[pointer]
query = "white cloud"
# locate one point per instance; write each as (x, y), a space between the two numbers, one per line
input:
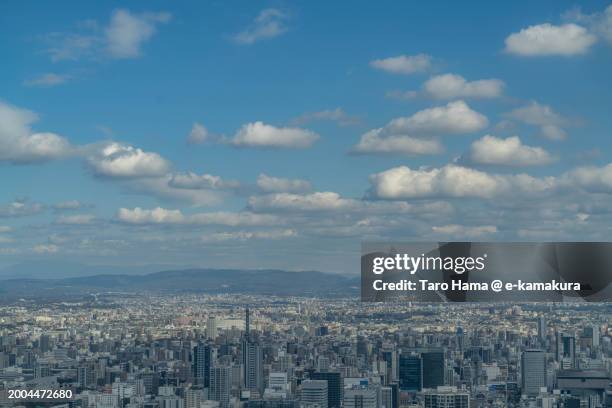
(452, 86)
(116, 160)
(550, 122)
(192, 181)
(80, 219)
(123, 37)
(318, 201)
(198, 134)
(268, 24)
(46, 249)
(127, 32)
(375, 142)
(4, 229)
(259, 134)
(163, 216)
(453, 181)
(20, 208)
(20, 145)
(68, 205)
(270, 184)
(547, 39)
(454, 118)
(507, 152)
(164, 189)
(465, 231)
(47, 80)
(404, 64)
(234, 219)
(249, 235)
(155, 216)
(599, 23)
(337, 115)
(590, 178)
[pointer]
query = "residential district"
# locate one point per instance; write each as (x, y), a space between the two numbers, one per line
(245, 351)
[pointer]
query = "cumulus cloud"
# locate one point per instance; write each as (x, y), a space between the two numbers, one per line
(337, 115)
(491, 150)
(270, 184)
(404, 64)
(19, 144)
(155, 216)
(376, 142)
(547, 39)
(551, 123)
(198, 134)
(268, 24)
(259, 134)
(164, 189)
(47, 80)
(452, 86)
(590, 178)
(453, 181)
(127, 32)
(164, 216)
(318, 201)
(457, 230)
(116, 160)
(80, 219)
(416, 134)
(193, 181)
(454, 118)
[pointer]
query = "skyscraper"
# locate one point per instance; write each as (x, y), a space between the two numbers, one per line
(361, 397)
(314, 393)
(334, 387)
(542, 328)
(433, 369)
(410, 372)
(221, 385)
(202, 358)
(252, 360)
(211, 327)
(533, 371)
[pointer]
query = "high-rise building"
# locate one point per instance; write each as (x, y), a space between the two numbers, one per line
(386, 397)
(361, 397)
(202, 361)
(221, 385)
(542, 328)
(334, 387)
(533, 371)
(446, 397)
(433, 369)
(410, 372)
(194, 397)
(252, 360)
(314, 394)
(44, 343)
(211, 327)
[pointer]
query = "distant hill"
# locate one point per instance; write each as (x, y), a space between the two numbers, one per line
(65, 269)
(261, 282)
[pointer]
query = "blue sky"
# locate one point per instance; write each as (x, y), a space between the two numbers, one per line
(312, 129)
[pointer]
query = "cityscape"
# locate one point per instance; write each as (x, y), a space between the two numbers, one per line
(120, 350)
